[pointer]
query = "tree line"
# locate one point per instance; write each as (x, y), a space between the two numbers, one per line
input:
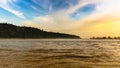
(13, 31)
(109, 37)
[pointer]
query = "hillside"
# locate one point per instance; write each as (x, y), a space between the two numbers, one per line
(12, 31)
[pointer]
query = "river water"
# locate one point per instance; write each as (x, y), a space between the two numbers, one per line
(59, 53)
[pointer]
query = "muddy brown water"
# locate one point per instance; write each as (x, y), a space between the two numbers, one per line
(59, 53)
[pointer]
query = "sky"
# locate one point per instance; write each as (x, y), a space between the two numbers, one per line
(86, 18)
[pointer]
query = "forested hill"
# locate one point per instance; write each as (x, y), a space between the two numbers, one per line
(12, 31)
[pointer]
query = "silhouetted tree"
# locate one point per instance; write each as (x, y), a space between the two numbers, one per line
(12, 31)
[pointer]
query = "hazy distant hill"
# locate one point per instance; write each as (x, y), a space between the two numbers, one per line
(12, 31)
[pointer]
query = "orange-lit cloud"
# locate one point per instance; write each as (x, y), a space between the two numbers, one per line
(104, 21)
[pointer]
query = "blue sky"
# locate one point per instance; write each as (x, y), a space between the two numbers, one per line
(21, 10)
(80, 17)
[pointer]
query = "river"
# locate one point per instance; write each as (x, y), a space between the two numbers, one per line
(59, 53)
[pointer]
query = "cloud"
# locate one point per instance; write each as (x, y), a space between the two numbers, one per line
(53, 22)
(5, 5)
(55, 5)
(103, 20)
(104, 26)
(59, 21)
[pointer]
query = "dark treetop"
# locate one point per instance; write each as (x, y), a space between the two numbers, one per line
(12, 31)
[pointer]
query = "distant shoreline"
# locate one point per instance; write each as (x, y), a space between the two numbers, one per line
(13, 31)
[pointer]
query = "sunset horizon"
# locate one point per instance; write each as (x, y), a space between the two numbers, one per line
(60, 33)
(85, 18)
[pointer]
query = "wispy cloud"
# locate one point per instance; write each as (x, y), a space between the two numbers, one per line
(5, 4)
(102, 14)
(81, 17)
